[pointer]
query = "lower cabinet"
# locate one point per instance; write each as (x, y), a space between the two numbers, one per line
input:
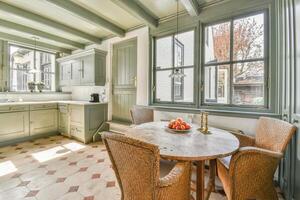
(43, 121)
(85, 120)
(72, 120)
(14, 125)
(63, 119)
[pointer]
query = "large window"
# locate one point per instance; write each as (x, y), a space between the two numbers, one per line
(174, 54)
(29, 65)
(235, 61)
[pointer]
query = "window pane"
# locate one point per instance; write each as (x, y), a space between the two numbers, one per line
(217, 84)
(184, 49)
(27, 65)
(248, 37)
(164, 52)
(183, 87)
(217, 43)
(248, 83)
(163, 85)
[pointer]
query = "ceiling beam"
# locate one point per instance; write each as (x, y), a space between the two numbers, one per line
(138, 11)
(191, 6)
(48, 22)
(89, 16)
(32, 43)
(41, 34)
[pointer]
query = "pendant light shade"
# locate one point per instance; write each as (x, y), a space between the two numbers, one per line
(177, 74)
(34, 70)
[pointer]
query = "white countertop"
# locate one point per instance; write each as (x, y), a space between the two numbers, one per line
(47, 102)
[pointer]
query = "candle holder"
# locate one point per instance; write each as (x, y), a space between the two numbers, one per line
(204, 123)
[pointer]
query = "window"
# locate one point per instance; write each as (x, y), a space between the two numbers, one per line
(174, 54)
(235, 62)
(28, 65)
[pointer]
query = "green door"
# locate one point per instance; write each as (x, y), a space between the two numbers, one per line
(124, 79)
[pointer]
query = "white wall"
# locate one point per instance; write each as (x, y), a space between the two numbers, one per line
(82, 93)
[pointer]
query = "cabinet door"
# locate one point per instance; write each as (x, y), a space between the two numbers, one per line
(65, 74)
(77, 115)
(43, 121)
(9, 129)
(100, 69)
(63, 123)
(88, 70)
(76, 72)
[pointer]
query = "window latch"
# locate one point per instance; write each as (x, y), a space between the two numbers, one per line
(153, 88)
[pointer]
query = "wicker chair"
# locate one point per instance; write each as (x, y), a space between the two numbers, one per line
(249, 173)
(137, 168)
(140, 115)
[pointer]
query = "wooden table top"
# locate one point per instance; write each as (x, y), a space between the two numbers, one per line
(191, 146)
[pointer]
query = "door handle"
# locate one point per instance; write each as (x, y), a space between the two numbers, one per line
(295, 121)
(134, 79)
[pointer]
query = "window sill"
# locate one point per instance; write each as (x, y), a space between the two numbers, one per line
(218, 112)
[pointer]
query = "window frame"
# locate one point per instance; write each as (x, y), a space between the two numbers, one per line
(31, 49)
(153, 70)
(231, 62)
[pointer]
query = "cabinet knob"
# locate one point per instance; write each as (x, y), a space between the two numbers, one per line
(295, 121)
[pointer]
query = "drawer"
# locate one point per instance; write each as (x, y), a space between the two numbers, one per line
(14, 108)
(77, 132)
(64, 108)
(43, 106)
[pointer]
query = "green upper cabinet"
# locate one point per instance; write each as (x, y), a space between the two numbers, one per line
(84, 68)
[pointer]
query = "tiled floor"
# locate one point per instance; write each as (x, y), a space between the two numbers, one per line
(58, 168)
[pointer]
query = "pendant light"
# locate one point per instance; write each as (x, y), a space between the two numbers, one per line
(177, 73)
(34, 70)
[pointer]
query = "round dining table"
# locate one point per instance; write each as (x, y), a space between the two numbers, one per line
(193, 146)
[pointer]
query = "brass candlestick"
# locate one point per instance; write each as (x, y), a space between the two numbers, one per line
(204, 123)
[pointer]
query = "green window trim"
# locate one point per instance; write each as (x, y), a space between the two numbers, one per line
(271, 108)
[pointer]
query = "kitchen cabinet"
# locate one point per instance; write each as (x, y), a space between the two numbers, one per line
(79, 120)
(43, 121)
(86, 119)
(65, 74)
(63, 119)
(84, 68)
(10, 129)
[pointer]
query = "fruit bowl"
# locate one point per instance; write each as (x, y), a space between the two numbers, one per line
(178, 125)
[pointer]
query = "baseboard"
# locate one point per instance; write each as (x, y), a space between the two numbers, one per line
(27, 138)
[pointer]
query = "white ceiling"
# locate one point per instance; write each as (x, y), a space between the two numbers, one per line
(106, 9)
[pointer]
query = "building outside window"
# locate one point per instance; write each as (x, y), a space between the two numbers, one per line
(174, 53)
(235, 61)
(29, 65)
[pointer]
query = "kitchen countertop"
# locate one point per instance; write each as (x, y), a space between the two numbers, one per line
(49, 102)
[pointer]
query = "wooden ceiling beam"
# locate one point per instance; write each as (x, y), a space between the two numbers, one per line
(32, 43)
(88, 16)
(48, 22)
(137, 11)
(191, 6)
(41, 34)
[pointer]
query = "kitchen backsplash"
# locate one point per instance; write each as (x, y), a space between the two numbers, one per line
(45, 96)
(83, 93)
